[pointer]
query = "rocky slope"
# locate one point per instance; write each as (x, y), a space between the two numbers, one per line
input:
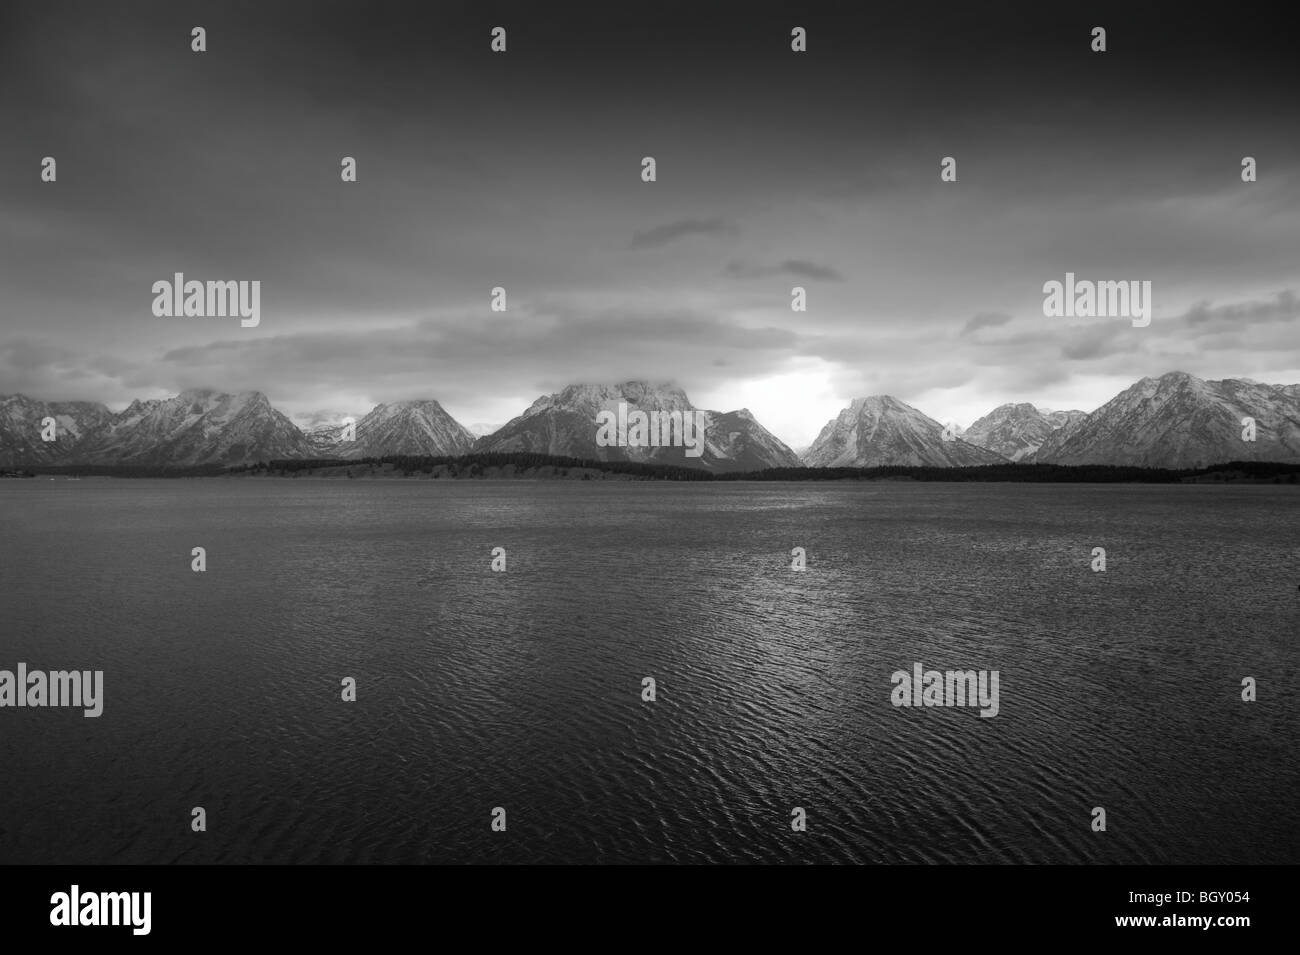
(195, 427)
(403, 427)
(881, 431)
(1181, 421)
(1016, 431)
(20, 428)
(565, 424)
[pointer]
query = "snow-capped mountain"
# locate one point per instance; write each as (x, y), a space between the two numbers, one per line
(1175, 421)
(747, 445)
(402, 427)
(880, 431)
(21, 428)
(199, 426)
(1181, 421)
(1015, 431)
(565, 424)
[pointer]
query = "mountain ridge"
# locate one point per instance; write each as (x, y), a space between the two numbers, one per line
(1175, 420)
(563, 424)
(882, 431)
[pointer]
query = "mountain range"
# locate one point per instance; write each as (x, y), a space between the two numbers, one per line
(1174, 421)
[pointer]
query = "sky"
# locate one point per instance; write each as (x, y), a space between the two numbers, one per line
(522, 170)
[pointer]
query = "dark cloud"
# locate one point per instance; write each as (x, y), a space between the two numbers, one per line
(457, 359)
(672, 231)
(1284, 308)
(522, 170)
(795, 268)
(985, 320)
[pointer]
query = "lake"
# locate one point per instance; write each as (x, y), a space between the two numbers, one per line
(522, 689)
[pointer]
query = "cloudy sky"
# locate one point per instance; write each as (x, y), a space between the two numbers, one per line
(522, 170)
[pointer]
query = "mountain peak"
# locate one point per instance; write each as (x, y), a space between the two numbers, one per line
(1181, 421)
(1016, 430)
(1170, 379)
(877, 404)
(880, 430)
(565, 424)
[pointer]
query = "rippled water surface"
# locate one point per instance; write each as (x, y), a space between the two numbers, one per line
(523, 689)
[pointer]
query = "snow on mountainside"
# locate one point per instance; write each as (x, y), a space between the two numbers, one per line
(1063, 419)
(746, 444)
(1181, 421)
(402, 427)
(1015, 431)
(199, 426)
(1175, 421)
(21, 428)
(565, 424)
(881, 430)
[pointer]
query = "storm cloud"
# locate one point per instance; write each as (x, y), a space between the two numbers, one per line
(522, 171)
